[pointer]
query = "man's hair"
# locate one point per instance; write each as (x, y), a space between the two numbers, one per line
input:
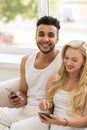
(48, 20)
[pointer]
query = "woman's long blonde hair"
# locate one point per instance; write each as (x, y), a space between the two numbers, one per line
(78, 93)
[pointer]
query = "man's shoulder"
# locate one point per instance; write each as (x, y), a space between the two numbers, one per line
(25, 57)
(31, 55)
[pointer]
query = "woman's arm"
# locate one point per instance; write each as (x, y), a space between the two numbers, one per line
(81, 121)
(78, 122)
(44, 104)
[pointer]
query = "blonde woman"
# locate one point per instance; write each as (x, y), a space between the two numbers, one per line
(67, 90)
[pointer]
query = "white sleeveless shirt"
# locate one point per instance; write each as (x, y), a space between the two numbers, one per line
(62, 104)
(36, 80)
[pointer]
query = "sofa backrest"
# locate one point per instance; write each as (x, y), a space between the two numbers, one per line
(11, 84)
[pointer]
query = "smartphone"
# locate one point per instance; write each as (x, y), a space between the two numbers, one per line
(44, 113)
(11, 92)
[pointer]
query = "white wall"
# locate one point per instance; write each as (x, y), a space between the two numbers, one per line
(9, 66)
(8, 73)
(10, 59)
(10, 62)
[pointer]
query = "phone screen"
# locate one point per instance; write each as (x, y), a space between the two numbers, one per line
(11, 92)
(44, 113)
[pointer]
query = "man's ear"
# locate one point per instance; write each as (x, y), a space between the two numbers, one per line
(57, 39)
(36, 35)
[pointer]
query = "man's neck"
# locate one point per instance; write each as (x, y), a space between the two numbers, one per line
(43, 60)
(48, 56)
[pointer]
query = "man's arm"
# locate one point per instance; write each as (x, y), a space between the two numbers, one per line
(22, 92)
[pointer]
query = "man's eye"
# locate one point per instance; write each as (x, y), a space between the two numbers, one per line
(41, 35)
(51, 35)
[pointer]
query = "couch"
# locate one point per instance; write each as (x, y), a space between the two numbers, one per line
(11, 84)
(4, 102)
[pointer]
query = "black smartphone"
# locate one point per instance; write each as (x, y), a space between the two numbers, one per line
(44, 113)
(11, 92)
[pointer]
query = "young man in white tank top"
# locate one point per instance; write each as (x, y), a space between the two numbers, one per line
(34, 72)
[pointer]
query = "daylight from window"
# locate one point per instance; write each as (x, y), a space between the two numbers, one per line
(18, 20)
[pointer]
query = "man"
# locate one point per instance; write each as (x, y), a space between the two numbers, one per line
(34, 72)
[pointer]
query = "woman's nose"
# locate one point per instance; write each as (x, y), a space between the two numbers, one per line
(69, 62)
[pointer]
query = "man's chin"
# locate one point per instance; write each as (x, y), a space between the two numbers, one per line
(47, 51)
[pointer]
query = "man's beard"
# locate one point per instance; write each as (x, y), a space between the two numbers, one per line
(46, 52)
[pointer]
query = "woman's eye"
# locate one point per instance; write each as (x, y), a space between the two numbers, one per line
(74, 60)
(66, 58)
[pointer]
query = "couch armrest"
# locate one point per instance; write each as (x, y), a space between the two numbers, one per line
(11, 84)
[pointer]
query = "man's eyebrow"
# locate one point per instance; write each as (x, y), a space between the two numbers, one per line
(51, 32)
(41, 31)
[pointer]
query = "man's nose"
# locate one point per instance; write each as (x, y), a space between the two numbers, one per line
(46, 38)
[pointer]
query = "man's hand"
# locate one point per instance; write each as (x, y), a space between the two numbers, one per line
(17, 100)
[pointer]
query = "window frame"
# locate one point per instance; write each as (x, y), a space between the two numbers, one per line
(22, 50)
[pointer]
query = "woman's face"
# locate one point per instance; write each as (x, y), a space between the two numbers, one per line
(73, 60)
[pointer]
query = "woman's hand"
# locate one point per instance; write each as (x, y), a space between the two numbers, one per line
(51, 120)
(44, 105)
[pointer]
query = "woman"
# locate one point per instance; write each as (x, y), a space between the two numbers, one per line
(67, 90)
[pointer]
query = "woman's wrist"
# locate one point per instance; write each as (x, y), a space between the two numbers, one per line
(65, 121)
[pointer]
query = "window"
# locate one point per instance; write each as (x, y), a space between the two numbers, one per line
(21, 15)
(18, 23)
(73, 19)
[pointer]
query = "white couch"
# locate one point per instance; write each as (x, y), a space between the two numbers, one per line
(4, 102)
(12, 84)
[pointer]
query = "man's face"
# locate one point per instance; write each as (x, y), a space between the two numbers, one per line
(46, 38)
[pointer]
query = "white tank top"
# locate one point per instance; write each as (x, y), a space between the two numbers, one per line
(63, 104)
(36, 80)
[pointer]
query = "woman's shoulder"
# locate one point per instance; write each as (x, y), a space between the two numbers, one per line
(53, 76)
(51, 79)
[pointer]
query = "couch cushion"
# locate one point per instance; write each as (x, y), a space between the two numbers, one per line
(11, 84)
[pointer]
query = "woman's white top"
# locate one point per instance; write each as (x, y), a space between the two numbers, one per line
(62, 103)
